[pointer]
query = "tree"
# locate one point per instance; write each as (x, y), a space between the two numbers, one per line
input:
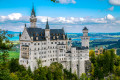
(92, 56)
(106, 63)
(56, 69)
(5, 75)
(29, 71)
(53, 0)
(14, 76)
(112, 57)
(39, 62)
(13, 65)
(5, 45)
(83, 77)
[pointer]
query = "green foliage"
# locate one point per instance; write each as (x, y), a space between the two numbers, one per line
(92, 56)
(5, 75)
(5, 45)
(53, 0)
(103, 65)
(14, 65)
(83, 77)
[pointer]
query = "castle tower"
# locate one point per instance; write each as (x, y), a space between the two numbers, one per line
(47, 31)
(33, 18)
(85, 38)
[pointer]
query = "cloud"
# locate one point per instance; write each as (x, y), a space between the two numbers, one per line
(110, 17)
(71, 24)
(67, 1)
(111, 8)
(14, 16)
(114, 2)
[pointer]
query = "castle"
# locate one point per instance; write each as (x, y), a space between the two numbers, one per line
(52, 45)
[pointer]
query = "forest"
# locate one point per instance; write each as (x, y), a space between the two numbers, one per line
(103, 66)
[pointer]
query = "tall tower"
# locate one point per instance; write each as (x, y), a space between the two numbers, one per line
(47, 31)
(33, 18)
(85, 38)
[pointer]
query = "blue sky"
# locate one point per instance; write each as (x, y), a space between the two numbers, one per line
(73, 15)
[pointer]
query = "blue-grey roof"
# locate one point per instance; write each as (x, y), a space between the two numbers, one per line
(85, 28)
(81, 48)
(40, 33)
(68, 52)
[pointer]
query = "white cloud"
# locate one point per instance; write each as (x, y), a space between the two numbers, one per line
(67, 1)
(111, 8)
(16, 23)
(114, 2)
(14, 16)
(110, 17)
(118, 21)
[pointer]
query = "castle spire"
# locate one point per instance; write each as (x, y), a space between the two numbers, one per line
(25, 24)
(33, 11)
(47, 25)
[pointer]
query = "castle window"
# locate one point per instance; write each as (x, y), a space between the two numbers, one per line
(34, 43)
(51, 42)
(38, 43)
(38, 48)
(27, 61)
(34, 57)
(55, 42)
(37, 34)
(35, 53)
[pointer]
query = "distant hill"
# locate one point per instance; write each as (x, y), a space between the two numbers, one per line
(76, 36)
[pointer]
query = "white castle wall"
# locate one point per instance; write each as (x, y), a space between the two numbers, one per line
(49, 51)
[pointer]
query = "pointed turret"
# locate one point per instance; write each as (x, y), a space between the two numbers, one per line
(25, 24)
(33, 12)
(20, 34)
(47, 25)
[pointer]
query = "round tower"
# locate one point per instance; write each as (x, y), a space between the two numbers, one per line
(85, 38)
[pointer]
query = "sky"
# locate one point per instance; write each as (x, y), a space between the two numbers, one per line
(97, 15)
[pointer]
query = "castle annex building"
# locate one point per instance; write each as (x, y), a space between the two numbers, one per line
(52, 45)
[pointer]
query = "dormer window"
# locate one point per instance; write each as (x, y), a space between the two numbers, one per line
(57, 37)
(36, 38)
(53, 37)
(32, 38)
(37, 34)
